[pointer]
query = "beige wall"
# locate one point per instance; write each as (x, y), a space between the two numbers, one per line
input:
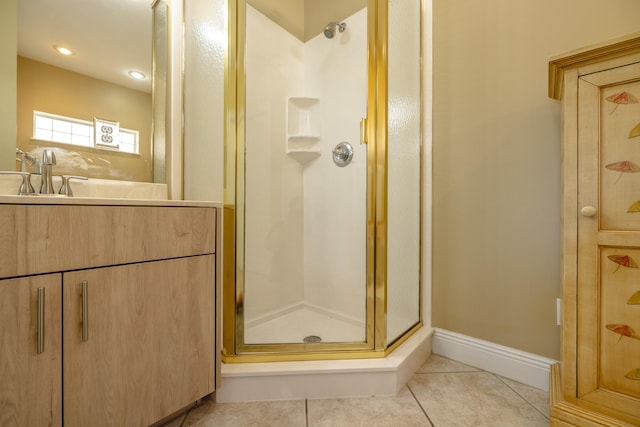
(318, 13)
(306, 19)
(496, 161)
(8, 43)
(53, 90)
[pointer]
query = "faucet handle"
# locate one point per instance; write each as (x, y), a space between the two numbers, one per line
(66, 185)
(25, 188)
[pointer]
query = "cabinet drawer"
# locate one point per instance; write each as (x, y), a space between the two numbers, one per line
(51, 238)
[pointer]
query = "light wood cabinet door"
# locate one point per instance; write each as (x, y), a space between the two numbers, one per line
(608, 252)
(30, 372)
(184, 333)
(107, 377)
(148, 348)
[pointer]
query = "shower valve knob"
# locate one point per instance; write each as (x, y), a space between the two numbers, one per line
(342, 154)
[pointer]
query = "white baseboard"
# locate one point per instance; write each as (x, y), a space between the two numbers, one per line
(517, 365)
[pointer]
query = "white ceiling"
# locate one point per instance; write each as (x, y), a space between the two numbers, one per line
(109, 37)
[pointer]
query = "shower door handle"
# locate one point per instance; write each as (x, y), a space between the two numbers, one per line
(363, 131)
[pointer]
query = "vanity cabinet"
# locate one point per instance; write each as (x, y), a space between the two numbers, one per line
(598, 382)
(129, 314)
(31, 351)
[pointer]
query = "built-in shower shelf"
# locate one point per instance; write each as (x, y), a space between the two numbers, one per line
(303, 128)
(303, 156)
(303, 148)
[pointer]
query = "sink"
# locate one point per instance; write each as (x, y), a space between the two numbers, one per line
(91, 188)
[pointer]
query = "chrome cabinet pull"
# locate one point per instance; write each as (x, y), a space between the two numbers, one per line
(85, 315)
(40, 320)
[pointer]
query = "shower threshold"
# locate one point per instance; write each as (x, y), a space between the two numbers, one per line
(243, 382)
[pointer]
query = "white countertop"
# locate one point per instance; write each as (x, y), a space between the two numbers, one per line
(97, 192)
(97, 201)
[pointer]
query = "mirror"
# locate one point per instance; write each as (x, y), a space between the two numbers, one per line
(108, 40)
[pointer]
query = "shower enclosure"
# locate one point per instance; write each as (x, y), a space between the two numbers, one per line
(323, 179)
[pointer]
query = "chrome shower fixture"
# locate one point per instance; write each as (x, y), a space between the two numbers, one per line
(330, 29)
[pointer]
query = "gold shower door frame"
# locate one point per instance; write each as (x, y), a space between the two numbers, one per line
(234, 350)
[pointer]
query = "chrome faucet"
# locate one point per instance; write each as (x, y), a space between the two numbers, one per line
(48, 160)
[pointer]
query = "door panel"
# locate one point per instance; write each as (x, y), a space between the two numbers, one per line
(404, 168)
(108, 377)
(608, 344)
(30, 381)
(150, 345)
(183, 291)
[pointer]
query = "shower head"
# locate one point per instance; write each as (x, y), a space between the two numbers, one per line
(330, 29)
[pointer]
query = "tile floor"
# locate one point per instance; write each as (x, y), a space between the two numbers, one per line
(442, 393)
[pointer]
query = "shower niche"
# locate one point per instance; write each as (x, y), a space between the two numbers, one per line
(303, 128)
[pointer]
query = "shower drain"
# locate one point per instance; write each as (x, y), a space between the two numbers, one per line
(312, 338)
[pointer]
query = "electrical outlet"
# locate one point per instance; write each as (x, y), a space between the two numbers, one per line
(559, 311)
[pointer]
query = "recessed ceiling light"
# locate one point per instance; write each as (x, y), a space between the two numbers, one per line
(63, 50)
(136, 75)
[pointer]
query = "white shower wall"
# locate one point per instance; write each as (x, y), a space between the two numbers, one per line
(274, 215)
(305, 224)
(334, 197)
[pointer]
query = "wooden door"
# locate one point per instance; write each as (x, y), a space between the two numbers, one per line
(31, 374)
(608, 290)
(149, 349)
(108, 376)
(184, 332)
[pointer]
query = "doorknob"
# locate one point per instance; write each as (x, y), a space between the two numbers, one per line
(588, 211)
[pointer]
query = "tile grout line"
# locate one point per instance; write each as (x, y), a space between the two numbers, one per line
(521, 396)
(448, 372)
(306, 412)
(499, 378)
(186, 415)
(184, 418)
(424, 411)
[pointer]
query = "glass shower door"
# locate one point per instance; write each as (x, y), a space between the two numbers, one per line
(305, 272)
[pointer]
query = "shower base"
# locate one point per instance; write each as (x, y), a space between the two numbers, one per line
(294, 323)
(244, 382)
